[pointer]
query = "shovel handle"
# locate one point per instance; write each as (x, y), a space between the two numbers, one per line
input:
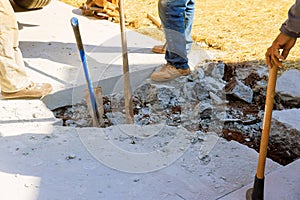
(257, 192)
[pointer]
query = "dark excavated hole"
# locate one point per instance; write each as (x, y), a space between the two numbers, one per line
(277, 150)
(205, 101)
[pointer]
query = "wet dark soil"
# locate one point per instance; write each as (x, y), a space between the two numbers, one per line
(278, 151)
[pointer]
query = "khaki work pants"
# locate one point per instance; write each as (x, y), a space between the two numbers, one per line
(13, 76)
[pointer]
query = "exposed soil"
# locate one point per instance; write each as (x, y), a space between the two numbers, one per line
(277, 150)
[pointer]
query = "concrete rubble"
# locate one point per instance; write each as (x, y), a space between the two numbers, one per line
(288, 88)
(41, 159)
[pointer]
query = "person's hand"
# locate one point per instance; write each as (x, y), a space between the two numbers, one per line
(273, 55)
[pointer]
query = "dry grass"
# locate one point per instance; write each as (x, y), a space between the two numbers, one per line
(242, 29)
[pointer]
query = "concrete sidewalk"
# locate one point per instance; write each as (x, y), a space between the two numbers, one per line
(50, 52)
(41, 160)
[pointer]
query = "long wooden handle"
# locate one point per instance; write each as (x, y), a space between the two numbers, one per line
(127, 84)
(266, 123)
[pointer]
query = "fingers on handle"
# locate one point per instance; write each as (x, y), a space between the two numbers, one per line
(268, 60)
(285, 53)
(276, 61)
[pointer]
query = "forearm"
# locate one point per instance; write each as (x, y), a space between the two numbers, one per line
(291, 27)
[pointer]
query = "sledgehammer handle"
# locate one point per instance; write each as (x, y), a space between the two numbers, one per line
(266, 123)
(257, 192)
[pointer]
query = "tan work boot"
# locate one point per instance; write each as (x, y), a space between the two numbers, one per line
(160, 49)
(168, 72)
(33, 91)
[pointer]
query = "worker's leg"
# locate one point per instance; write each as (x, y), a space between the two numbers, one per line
(189, 18)
(13, 76)
(177, 17)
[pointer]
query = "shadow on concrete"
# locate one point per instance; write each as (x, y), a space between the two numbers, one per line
(62, 65)
(48, 166)
(66, 53)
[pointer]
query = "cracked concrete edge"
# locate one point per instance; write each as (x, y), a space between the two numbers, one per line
(282, 183)
(111, 85)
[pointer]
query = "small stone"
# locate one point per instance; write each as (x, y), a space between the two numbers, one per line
(136, 180)
(32, 137)
(70, 157)
(194, 140)
(205, 160)
(69, 122)
(182, 148)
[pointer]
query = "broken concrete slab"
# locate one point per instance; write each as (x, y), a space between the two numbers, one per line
(74, 95)
(238, 89)
(290, 117)
(285, 131)
(288, 87)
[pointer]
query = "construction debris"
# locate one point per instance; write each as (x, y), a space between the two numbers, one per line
(103, 9)
(154, 20)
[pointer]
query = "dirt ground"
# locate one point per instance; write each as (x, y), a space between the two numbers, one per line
(243, 29)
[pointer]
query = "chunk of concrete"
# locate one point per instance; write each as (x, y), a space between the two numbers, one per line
(238, 89)
(288, 87)
(290, 117)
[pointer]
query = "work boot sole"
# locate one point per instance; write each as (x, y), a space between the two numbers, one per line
(38, 90)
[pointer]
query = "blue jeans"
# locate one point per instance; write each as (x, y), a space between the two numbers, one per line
(177, 19)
